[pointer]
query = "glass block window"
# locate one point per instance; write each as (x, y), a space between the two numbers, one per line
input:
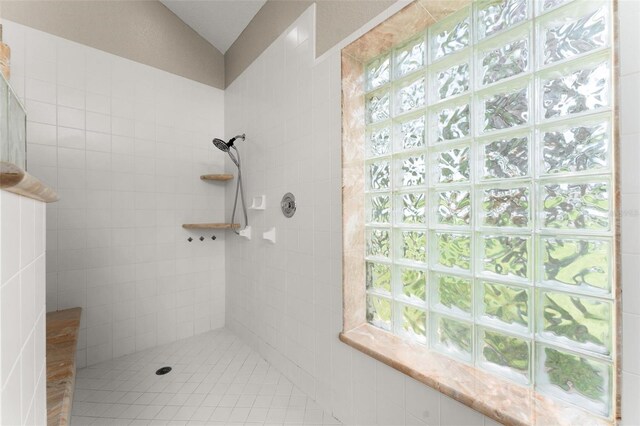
(490, 193)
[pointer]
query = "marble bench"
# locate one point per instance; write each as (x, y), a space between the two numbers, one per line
(62, 338)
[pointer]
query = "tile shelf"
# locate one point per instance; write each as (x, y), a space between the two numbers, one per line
(211, 225)
(217, 177)
(220, 177)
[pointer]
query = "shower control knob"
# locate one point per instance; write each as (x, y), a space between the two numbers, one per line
(201, 238)
(189, 239)
(213, 237)
(288, 205)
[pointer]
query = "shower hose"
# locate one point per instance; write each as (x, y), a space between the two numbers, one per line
(239, 189)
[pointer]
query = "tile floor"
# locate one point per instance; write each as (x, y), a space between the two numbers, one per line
(216, 379)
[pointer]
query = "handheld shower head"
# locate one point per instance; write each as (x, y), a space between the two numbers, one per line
(221, 145)
(225, 146)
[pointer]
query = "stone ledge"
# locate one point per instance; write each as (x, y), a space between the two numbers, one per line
(16, 180)
(501, 400)
(62, 339)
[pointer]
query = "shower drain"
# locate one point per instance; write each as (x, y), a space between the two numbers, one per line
(162, 371)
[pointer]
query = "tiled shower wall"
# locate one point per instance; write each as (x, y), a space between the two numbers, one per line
(285, 299)
(124, 145)
(22, 312)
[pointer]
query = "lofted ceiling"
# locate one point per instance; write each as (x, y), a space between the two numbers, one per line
(220, 22)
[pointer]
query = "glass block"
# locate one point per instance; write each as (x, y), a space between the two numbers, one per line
(506, 109)
(410, 95)
(505, 306)
(379, 312)
(498, 15)
(453, 293)
(452, 165)
(378, 243)
(505, 256)
(378, 175)
(452, 81)
(577, 30)
(574, 378)
(413, 246)
(453, 250)
(452, 337)
(451, 36)
(454, 207)
(411, 208)
(578, 263)
(378, 108)
(506, 207)
(411, 171)
(378, 72)
(451, 122)
(505, 355)
(410, 57)
(506, 158)
(378, 277)
(379, 142)
(414, 323)
(379, 208)
(577, 321)
(15, 147)
(505, 58)
(572, 91)
(414, 284)
(578, 205)
(546, 5)
(576, 147)
(411, 133)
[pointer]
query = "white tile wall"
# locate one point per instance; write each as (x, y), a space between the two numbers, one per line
(124, 145)
(629, 13)
(285, 299)
(22, 311)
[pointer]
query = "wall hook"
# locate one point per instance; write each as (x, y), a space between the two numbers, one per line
(213, 237)
(189, 239)
(270, 235)
(246, 232)
(201, 238)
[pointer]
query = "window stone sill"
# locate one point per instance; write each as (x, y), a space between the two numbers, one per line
(499, 399)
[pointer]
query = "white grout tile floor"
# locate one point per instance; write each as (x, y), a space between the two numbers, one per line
(216, 379)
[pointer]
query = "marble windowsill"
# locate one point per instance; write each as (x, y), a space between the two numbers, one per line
(16, 180)
(62, 338)
(501, 400)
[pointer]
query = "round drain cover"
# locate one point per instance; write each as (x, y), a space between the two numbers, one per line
(162, 371)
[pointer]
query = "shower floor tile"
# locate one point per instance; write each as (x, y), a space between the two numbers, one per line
(215, 379)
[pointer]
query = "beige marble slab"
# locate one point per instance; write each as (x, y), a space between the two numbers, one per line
(62, 339)
(219, 177)
(16, 180)
(502, 400)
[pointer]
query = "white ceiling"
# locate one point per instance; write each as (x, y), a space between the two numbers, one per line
(220, 22)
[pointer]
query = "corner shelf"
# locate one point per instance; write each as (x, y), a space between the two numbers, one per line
(217, 177)
(211, 225)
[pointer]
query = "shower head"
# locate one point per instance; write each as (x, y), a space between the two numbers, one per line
(224, 146)
(221, 145)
